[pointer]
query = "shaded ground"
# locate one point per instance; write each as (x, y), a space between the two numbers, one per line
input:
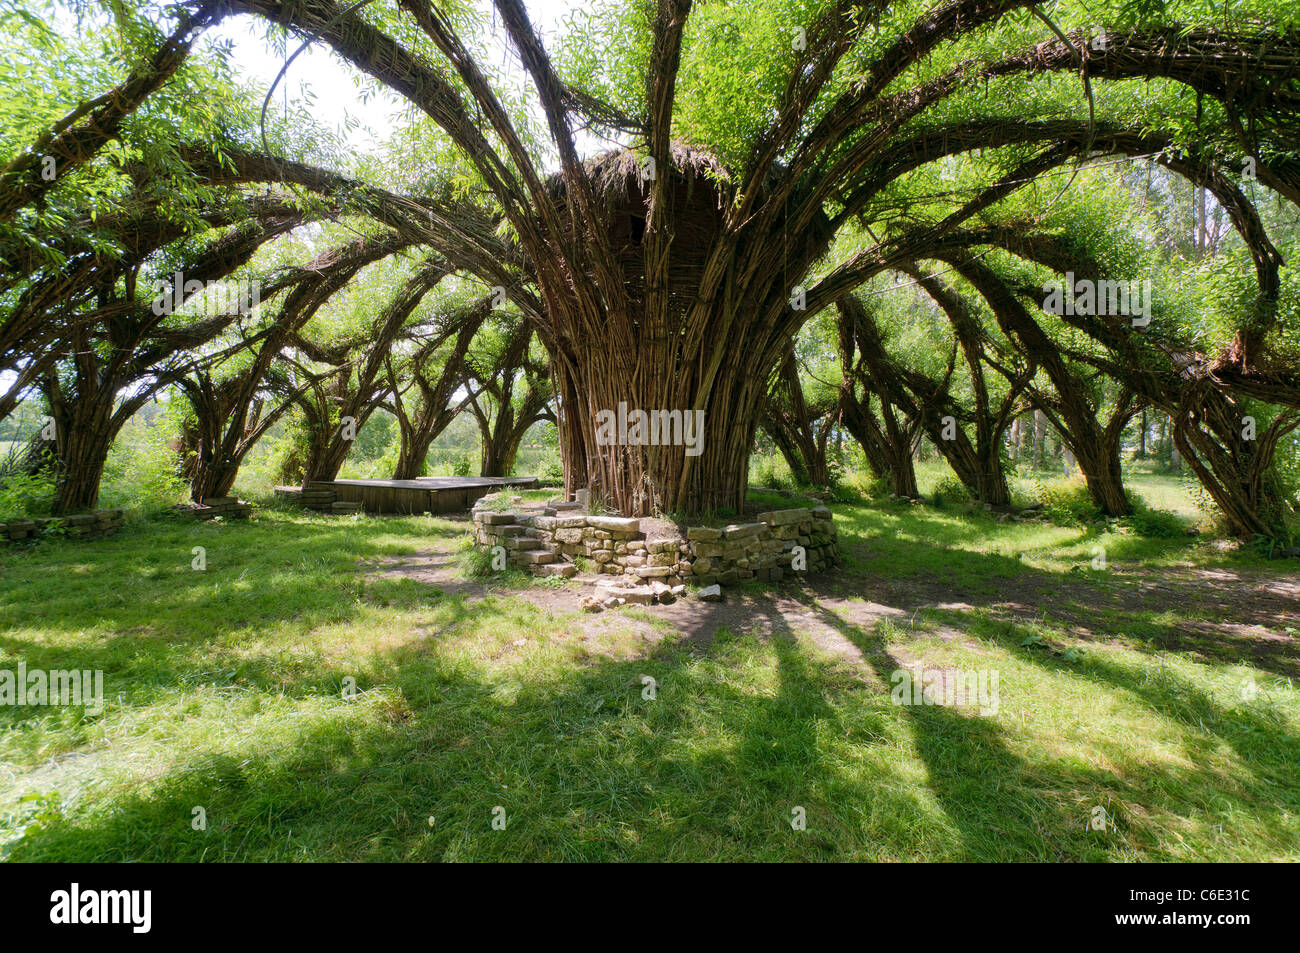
(1221, 614)
(332, 688)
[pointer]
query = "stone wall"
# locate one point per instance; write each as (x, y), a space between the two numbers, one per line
(560, 541)
(765, 548)
(317, 497)
(98, 523)
(227, 507)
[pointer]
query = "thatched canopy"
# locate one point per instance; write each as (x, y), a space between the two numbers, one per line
(697, 194)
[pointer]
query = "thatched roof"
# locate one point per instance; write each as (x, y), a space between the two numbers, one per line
(616, 175)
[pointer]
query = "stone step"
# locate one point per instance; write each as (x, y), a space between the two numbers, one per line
(538, 557)
(567, 570)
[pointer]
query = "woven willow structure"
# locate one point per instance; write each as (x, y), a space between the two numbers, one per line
(661, 278)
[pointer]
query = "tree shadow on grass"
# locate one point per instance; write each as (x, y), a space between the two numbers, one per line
(1103, 602)
(1000, 803)
(583, 765)
(140, 668)
(1255, 732)
(247, 574)
(1266, 791)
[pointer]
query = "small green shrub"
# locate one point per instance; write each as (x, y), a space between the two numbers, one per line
(23, 495)
(950, 490)
(475, 561)
(598, 507)
(1160, 524)
(836, 473)
(766, 474)
(1066, 502)
(552, 471)
(461, 465)
(1271, 547)
(495, 503)
(866, 486)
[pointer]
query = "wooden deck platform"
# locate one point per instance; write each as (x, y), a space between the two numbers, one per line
(424, 495)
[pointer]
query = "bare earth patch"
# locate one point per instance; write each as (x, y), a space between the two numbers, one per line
(1221, 614)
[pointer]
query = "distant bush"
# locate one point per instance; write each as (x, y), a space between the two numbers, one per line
(23, 495)
(552, 471)
(1066, 502)
(1146, 521)
(862, 484)
(767, 474)
(837, 473)
(461, 465)
(948, 491)
(143, 468)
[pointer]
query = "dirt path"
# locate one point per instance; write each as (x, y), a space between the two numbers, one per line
(1221, 615)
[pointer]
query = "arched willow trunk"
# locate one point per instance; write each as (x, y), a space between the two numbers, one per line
(886, 444)
(85, 426)
(1236, 472)
(326, 454)
(800, 432)
(977, 465)
(412, 454)
(210, 474)
(1095, 445)
(644, 480)
(210, 445)
(82, 456)
(1099, 462)
(498, 457)
(700, 338)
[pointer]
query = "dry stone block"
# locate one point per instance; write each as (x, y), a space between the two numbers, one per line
(623, 524)
(648, 572)
(782, 517)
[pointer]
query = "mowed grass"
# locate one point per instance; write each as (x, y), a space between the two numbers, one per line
(227, 691)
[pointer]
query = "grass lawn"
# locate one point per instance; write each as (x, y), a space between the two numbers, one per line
(1161, 690)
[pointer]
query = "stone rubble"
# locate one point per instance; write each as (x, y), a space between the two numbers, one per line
(225, 506)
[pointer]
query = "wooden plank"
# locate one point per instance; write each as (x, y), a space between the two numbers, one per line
(427, 494)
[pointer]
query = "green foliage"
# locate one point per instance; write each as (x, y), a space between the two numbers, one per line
(551, 471)
(1160, 524)
(866, 486)
(475, 561)
(950, 491)
(771, 472)
(142, 471)
(23, 495)
(1066, 502)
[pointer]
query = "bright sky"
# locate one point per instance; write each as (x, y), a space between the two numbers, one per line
(333, 82)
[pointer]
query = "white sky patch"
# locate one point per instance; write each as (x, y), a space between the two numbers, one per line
(326, 86)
